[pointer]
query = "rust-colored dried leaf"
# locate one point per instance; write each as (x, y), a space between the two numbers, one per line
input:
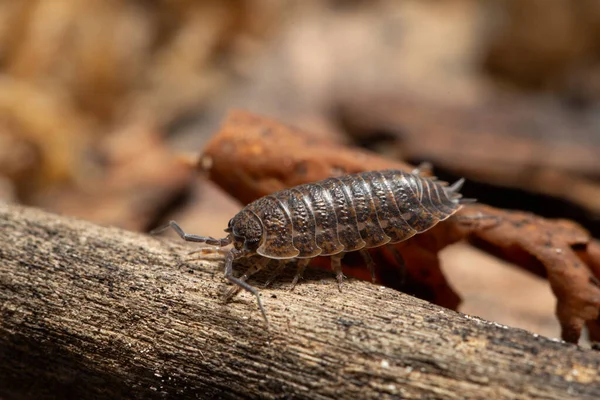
(548, 248)
(253, 156)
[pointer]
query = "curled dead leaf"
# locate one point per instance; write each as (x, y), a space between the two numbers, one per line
(253, 156)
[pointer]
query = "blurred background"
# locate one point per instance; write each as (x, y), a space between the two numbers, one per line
(101, 101)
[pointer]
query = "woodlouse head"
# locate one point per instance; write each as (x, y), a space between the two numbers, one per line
(247, 231)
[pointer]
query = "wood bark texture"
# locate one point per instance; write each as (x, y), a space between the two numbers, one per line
(94, 312)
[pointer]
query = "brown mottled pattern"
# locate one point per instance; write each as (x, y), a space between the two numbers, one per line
(388, 212)
(366, 216)
(345, 213)
(278, 232)
(326, 222)
(303, 222)
(427, 199)
(349, 213)
(406, 190)
(442, 202)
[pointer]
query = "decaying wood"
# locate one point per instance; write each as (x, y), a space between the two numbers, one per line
(252, 156)
(93, 312)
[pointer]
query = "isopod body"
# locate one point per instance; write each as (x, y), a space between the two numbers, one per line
(334, 216)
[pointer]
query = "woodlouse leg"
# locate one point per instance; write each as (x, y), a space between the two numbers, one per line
(302, 263)
(370, 263)
(336, 266)
(280, 267)
(232, 255)
(204, 252)
(401, 263)
(188, 237)
(260, 264)
(209, 250)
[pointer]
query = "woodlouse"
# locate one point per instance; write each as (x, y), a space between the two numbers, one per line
(331, 217)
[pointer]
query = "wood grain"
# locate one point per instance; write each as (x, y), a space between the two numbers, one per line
(93, 312)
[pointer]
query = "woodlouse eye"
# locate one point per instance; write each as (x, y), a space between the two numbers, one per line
(229, 226)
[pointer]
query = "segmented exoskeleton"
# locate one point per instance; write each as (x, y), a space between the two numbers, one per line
(332, 217)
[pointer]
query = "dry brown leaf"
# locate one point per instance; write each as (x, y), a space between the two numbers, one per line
(41, 135)
(138, 179)
(253, 156)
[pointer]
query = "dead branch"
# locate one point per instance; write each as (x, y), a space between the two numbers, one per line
(93, 312)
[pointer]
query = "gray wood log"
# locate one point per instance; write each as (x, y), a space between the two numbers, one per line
(93, 312)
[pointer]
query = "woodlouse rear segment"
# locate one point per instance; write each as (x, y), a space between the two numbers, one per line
(334, 216)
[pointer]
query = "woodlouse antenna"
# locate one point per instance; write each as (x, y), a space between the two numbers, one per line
(188, 237)
(230, 256)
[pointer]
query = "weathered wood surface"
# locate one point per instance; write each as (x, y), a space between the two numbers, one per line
(93, 312)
